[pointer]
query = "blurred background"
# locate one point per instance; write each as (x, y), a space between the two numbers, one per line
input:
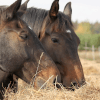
(86, 22)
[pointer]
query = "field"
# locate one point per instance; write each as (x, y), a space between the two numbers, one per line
(89, 40)
(89, 55)
(90, 91)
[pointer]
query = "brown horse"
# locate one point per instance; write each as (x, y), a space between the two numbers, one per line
(55, 31)
(21, 53)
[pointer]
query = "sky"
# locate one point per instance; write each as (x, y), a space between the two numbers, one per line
(82, 10)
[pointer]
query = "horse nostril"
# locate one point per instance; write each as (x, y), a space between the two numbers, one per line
(74, 84)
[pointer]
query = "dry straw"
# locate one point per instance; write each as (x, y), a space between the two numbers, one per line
(90, 91)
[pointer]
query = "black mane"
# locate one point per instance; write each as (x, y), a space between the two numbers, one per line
(34, 17)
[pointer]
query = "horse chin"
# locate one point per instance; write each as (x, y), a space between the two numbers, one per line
(41, 83)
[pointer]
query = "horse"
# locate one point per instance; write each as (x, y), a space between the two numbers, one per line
(21, 52)
(55, 31)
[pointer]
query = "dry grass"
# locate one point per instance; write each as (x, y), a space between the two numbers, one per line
(90, 91)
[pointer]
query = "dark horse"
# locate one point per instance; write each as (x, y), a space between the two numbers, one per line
(20, 51)
(55, 31)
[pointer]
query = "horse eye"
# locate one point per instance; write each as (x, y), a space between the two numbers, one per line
(24, 36)
(55, 40)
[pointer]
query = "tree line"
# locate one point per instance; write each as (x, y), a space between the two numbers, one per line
(86, 27)
(88, 33)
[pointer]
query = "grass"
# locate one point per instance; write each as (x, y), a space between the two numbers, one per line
(90, 91)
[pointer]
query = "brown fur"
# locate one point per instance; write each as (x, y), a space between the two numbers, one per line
(20, 52)
(51, 28)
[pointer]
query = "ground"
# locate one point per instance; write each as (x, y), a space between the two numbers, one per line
(90, 91)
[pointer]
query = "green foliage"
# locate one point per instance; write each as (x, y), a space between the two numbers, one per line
(90, 39)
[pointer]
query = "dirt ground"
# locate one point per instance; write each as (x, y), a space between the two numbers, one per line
(90, 91)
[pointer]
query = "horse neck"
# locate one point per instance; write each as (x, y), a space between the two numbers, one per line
(34, 18)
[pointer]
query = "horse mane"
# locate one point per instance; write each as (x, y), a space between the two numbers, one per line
(34, 18)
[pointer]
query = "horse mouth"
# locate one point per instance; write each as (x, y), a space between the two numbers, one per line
(74, 86)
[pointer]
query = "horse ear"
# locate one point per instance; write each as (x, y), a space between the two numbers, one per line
(23, 8)
(11, 11)
(54, 10)
(68, 10)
